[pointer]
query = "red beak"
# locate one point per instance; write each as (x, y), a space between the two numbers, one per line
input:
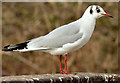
(108, 15)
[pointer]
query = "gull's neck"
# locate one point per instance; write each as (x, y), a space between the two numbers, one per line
(88, 21)
(88, 18)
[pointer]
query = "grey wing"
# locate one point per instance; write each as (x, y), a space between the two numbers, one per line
(58, 37)
(55, 42)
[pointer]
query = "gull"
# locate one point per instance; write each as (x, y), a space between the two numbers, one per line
(64, 39)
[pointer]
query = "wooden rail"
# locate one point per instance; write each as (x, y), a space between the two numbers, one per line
(60, 78)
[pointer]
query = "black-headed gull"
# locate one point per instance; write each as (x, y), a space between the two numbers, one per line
(66, 38)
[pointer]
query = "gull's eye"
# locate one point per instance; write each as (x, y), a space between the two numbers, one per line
(98, 10)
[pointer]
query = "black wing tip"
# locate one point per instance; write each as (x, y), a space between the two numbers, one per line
(6, 48)
(15, 47)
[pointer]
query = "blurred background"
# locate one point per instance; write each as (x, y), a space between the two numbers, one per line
(27, 20)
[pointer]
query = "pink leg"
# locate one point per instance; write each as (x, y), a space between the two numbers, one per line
(61, 64)
(65, 59)
(65, 62)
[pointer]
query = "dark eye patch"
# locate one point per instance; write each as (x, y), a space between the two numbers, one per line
(91, 11)
(98, 10)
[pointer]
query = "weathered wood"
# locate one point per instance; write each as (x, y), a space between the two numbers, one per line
(60, 78)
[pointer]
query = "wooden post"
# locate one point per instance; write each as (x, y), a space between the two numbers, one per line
(60, 78)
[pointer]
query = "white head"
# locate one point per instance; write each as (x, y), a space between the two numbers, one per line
(96, 11)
